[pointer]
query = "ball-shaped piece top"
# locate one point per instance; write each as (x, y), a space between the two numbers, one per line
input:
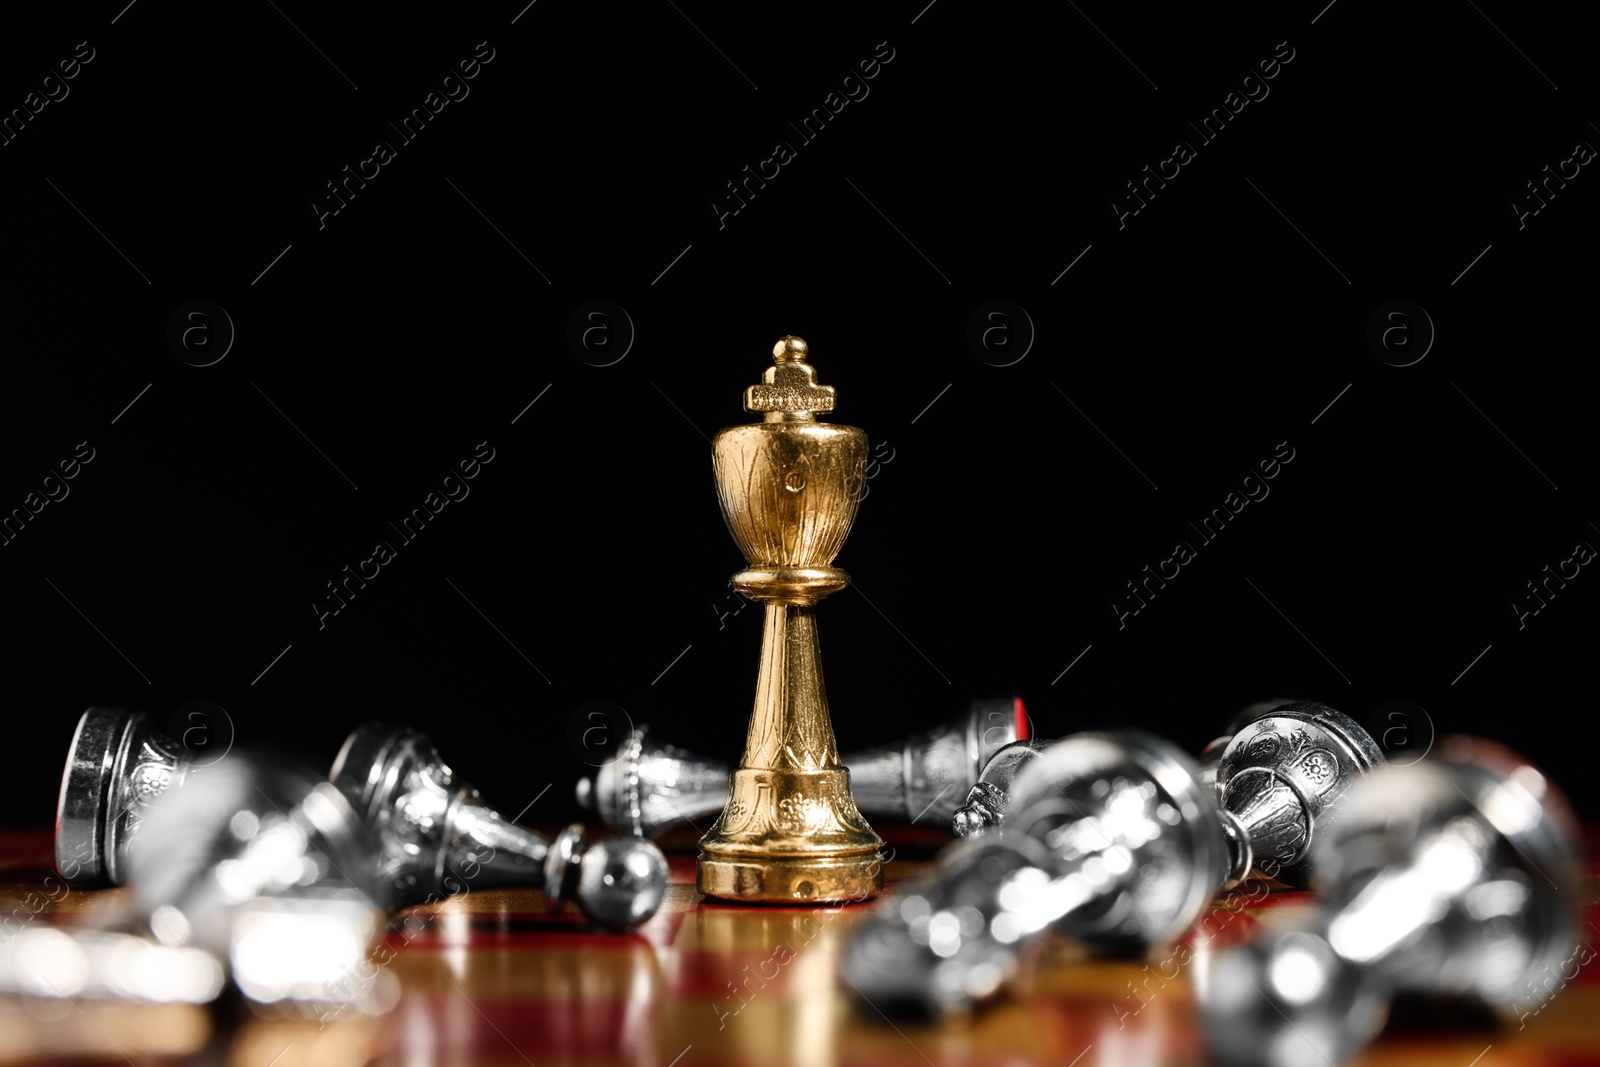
(621, 881)
(790, 349)
(967, 822)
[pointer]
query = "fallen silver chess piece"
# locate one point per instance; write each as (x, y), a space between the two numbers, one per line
(429, 833)
(119, 764)
(255, 874)
(1279, 769)
(651, 785)
(1453, 876)
(433, 834)
(1112, 841)
(984, 807)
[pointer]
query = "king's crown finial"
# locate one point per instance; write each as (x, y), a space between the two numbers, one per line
(789, 389)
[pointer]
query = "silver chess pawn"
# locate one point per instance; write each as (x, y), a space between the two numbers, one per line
(1281, 769)
(1112, 841)
(255, 871)
(650, 784)
(1452, 876)
(435, 836)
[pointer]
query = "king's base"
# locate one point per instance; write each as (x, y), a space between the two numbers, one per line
(790, 879)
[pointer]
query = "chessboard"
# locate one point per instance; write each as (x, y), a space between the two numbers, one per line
(488, 977)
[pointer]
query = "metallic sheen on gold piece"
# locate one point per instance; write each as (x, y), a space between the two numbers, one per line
(788, 487)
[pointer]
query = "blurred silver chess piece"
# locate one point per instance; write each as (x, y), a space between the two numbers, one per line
(1281, 768)
(1112, 840)
(651, 785)
(985, 804)
(430, 833)
(256, 871)
(1457, 875)
(119, 764)
(434, 835)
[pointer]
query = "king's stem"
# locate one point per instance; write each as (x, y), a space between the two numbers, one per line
(789, 726)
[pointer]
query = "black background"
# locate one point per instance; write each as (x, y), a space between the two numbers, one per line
(589, 560)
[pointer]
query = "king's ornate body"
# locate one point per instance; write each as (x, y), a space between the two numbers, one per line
(788, 487)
